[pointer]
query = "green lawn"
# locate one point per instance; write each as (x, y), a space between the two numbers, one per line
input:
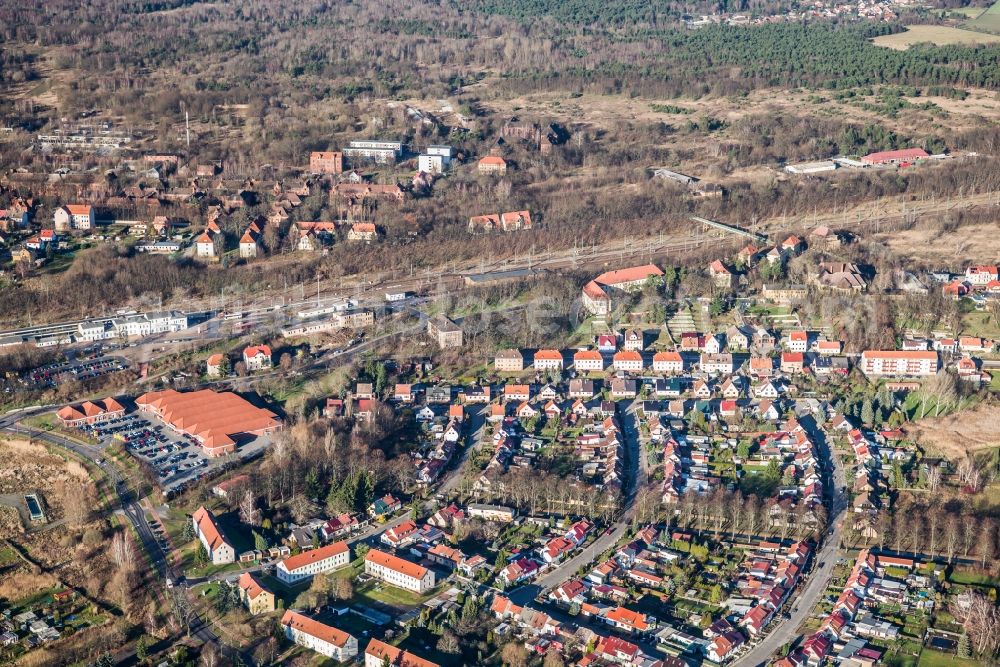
(932, 658)
(375, 592)
(972, 578)
(979, 323)
(988, 21)
(915, 407)
(995, 381)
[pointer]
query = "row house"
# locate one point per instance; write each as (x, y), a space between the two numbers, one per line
(398, 572)
(545, 360)
(588, 360)
(718, 363)
(668, 362)
(315, 561)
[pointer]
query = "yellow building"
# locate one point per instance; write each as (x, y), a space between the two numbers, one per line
(255, 597)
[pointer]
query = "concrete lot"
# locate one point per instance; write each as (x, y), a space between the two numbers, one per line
(176, 458)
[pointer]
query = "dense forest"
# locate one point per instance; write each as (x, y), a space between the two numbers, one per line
(200, 55)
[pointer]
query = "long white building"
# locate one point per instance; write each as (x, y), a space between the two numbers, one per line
(308, 563)
(916, 363)
(398, 572)
(324, 639)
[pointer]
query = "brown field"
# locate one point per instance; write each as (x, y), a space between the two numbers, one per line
(968, 242)
(935, 34)
(26, 467)
(961, 433)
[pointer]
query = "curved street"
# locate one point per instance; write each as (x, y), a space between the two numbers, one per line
(787, 629)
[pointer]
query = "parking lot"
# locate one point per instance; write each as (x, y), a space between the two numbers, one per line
(176, 458)
(55, 374)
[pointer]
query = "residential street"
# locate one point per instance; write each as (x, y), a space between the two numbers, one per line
(805, 602)
(634, 473)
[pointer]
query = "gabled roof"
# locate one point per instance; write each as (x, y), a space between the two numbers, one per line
(628, 275)
(208, 528)
(314, 556)
(250, 584)
(397, 657)
(314, 628)
(396, 564)
(255, 350)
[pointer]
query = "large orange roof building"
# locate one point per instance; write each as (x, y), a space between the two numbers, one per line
(215, 419)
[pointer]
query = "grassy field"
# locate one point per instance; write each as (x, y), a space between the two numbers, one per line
(937, 35)
(988, 20)
(972, 578)
(931, 658)
(967, 12)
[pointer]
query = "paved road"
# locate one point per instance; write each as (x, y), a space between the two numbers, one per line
(634, 478)
(787, 630)
(475, 419)
(127, 500)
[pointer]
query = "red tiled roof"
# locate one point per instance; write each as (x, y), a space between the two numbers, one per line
(904, 154)
(397, 657)
(900, 354)
(314, 555)
(249, 584)
(314, 628)
(404, 567)
(254, 350)
(628, 275)
(208, 528)
(210, 416)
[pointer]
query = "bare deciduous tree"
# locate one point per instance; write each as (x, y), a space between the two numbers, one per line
(249, 514)
(981, 620)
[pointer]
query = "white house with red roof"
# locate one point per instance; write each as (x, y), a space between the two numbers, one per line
(204, 245)
(597, 292)
(315, 561)
(257, 357)
(981, 275)
(521, 569)
(578, 532)
(401, 535)
(324, 639)
(220, 550)
(898, 363)
(74, 216)
(249, 244)
(668, 362)
(555, 549)
(724, 645)
(797, 341)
